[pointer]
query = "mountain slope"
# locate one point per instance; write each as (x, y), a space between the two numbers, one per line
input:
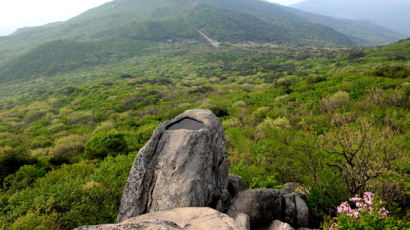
(360, 32)
(62, 56)
(392, 14)
(160, 20)
(141, 23)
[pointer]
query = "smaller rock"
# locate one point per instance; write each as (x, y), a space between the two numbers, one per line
(227, 197)
(302, 212)
(291, 187)
(234, 184)
(295, 210)
(261, 205)
(288, 188)
(279, 225)
(289, 211)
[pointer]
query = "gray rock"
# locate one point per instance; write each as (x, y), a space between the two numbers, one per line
(289, 209)
(184, 164)
(302, 212)
(279, 225)
(295, 210)
(261, 205)
(288, 188)
(178, 219)
(291, 187)
(265, 205)
(234, 185)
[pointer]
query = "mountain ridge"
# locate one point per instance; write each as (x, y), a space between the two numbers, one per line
(392, 14)
(147, 22)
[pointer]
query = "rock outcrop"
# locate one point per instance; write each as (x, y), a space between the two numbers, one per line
(261, 205)
(184, 164)
(265, 205)
(180, 180)
(178, 219)
(295, 211)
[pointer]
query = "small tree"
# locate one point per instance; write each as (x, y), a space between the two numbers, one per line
(359, 154)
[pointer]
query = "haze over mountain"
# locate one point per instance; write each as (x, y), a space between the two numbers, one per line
(105, 32)
(392, 14)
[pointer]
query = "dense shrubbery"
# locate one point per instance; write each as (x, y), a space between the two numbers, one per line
(393, 72)
(279, 127)
(74, 195)
(105, 144)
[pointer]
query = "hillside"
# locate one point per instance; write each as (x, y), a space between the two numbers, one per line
(360, 32)
(162, 21)
(392, 14)
(67, 141)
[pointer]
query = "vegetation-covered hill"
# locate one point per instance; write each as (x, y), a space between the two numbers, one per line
(392, 14)
(359, 32)
(232, 21)
(289, 115)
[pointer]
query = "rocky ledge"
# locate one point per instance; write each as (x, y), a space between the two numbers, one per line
(180, 180)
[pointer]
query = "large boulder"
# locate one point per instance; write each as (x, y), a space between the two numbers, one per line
(179, 219)
(261, 205)
(184, 164)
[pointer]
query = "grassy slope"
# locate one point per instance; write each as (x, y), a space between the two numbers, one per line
(159, 20)
(360, 32)
(244, 86)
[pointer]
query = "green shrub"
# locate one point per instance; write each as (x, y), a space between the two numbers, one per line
(29, 221)
(392, 72)
(68, 197)
(103, 144)
(23, 178)
(338, 100)
(69, 146)
(11, 160)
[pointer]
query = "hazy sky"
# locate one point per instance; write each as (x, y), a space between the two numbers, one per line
(24, 13)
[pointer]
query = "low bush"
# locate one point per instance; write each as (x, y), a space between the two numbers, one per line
(338, 100)
(392, 72)
(11, 160)
(365, 213)
(23, 178)
(103, 144)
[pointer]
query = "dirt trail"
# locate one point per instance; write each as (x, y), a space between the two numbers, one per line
(214, 43)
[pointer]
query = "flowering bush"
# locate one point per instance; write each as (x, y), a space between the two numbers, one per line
(365, 213)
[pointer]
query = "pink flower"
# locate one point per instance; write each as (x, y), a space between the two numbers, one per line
(334, 225)
(362, 206)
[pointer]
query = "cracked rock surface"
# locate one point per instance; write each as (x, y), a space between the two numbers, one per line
(184, 164)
